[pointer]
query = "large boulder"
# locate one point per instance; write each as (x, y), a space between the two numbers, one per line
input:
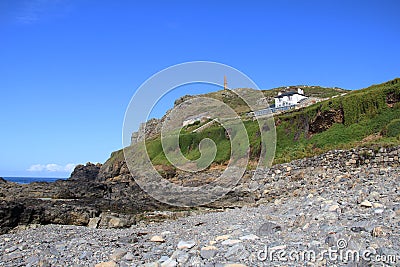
(9, 215)
(86, 172)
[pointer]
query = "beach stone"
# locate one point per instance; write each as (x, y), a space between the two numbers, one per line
(379, 211)
(222, 237)
(208, 252)
(163, 258)
(251, 237)
(32, 260)
(129, 256)
(180, 256)
(230, 242)
(377, 232)
(116, 222)
(186, 244)
(333, 208)
(377, 205)
(124, 264)
(237, 252)
(94, 222)
(106, 264)
(44, 263)
(118, 254)
(169, 263)
(268, 228)
(366, 204)
(85, 255)
(157, 238)
(358, 229)
(12, 256)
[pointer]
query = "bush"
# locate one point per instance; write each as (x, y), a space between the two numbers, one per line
(392, 129)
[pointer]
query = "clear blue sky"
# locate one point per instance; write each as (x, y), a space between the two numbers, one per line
(69, 68)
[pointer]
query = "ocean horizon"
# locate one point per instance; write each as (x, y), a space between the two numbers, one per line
(27, 180)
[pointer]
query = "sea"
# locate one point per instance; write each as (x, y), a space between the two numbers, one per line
(27, 180)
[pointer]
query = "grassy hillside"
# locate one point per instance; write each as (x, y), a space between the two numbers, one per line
(359, 118)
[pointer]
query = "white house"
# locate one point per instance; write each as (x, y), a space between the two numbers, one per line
(288, 99)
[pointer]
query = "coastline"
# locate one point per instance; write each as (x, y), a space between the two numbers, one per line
(27, 180)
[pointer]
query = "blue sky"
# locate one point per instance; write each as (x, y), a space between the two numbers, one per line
(69, 68)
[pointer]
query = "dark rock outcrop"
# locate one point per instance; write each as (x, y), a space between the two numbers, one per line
(36, 211)
(325, 119)
(88, 194)
(86, 172)
(9, 215)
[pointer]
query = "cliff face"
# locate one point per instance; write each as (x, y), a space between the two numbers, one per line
(150, 129)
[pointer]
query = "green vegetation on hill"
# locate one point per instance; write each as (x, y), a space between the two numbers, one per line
(359, 118)
(344, 122)
(392, 129)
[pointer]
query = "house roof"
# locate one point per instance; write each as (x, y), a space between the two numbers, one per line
(287, 94)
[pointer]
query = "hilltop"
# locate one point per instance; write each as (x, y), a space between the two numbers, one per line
(230, 98)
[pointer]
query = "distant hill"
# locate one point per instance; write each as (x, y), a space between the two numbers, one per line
(365, 117)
